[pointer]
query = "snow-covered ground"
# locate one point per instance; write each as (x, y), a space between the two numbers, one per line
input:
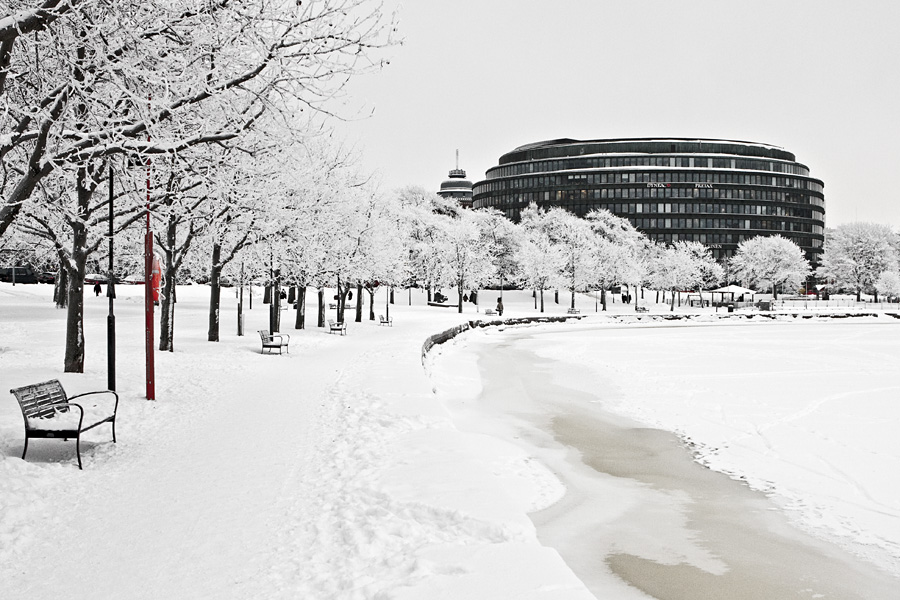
(344, 469)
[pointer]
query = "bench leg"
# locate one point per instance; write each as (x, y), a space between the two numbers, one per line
(25, 449)
(114, 430)
(78, 450)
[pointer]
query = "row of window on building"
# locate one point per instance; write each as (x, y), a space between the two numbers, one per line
(570, 197)
(758, 224)
(712, 239)
(670, 177)
(711, 208)
(612, 162)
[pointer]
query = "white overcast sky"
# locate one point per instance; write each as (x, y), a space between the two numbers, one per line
(819, 78)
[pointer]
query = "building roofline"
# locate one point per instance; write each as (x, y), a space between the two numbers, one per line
(654, 145)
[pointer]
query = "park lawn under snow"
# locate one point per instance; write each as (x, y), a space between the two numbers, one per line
(336, 471)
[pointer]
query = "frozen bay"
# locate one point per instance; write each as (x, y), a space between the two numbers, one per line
(802, 410)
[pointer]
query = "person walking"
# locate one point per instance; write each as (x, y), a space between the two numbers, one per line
(500, 307)
(97, 289)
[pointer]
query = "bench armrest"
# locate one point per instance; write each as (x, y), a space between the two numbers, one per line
(115, 406)
(281, 335)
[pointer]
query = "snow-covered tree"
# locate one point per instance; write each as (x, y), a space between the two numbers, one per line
(95, 79)
(574, 238)
(632, 263)
(604, 265)
(708, 272)
(764, 261)
(679, 267)
(504, 236)
(69, 215)
(426, 213)
(856, 254)
(540, 260)
(888, 284)
(467, 254)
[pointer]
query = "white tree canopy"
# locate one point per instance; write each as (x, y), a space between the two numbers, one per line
(856, 254)
(765, 261)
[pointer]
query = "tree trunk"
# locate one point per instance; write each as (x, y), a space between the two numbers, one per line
(321, 319)
(392, 297)
(61, 290)
(275, 306)
(603, 298)
(292, 294)
(300, 323)
(74, 358)
(167, 306)
(556, 296)
(339, 300)
(672, 307)
(267, 293)
(215, 291)
(459, 300)
(573, 298)
(371, 303)
(276, 300)
(359, 302)
(542, 299)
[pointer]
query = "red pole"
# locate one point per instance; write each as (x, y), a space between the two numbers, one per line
(148, 291)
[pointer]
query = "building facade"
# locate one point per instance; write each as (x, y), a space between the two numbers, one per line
(716, 192)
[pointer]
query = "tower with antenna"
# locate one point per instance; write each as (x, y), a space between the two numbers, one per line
(457, 186)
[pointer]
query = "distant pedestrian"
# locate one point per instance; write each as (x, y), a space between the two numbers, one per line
(465, 297)
(97, 289)
(500, 306)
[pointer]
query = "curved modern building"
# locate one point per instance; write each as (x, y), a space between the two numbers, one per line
(716, 192)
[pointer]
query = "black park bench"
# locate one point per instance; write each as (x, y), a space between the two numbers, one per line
(389, 321)
(49, 413)
(339, 327)
(270, 341)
